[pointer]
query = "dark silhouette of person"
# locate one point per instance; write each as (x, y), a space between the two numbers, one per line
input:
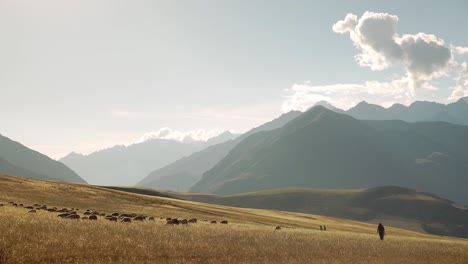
(381, 231)
(324, 228)
(321, 228)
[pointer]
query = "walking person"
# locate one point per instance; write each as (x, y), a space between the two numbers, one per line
(381, 231)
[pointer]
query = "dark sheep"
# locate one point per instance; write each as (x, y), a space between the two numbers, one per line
(192, 220)
(29, 207)
(151, 218)
(173, 222)
(168, 219)
(103, 214)
(93, 217)
(126, 220)
(183, 221)
(21, 205)
(87, 213)
(64, 215)
(139, 218)
(112, 218)
(1, 205)
(278, 228)
(115, 214)
(51, 210)
(14, 204)
(73, 216)
(224, 222)
(213, 222)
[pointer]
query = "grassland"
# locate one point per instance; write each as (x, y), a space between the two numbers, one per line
(248, 238)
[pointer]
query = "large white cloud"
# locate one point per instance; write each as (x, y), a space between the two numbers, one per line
(181, 136)
(423, 56)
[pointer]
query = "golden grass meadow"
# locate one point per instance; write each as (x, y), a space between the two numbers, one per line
(249, 237)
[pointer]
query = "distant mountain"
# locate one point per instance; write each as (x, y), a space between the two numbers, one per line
(182, 174)
(18, 160)
(456, 113)
(324, 149)
(126, 165)
(396, 206)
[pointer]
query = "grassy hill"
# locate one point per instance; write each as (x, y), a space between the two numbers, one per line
(403, 207)
(249, 237)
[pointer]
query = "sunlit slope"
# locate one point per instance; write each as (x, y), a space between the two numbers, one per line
(402, 207)
(42, 237)
(61, 194)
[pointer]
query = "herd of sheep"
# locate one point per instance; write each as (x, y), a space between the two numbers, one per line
(73, 213)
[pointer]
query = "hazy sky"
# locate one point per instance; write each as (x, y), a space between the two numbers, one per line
(84, 75)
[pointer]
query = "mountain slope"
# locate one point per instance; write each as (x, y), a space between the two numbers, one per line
(182, 174)
(403, 207)
(16, 159)
(7, 168)
(125, 165)
(324, 149)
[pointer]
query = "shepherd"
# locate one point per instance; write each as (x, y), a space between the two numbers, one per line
(381, 231)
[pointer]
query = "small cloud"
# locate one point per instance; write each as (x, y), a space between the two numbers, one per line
(459, 50)
(345, 96)
(181, 136)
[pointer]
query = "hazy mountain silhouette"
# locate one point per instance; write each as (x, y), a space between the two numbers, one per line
(18, 160)
(125, 165)
(402, 207)
(456, 113)
(324, 149)
(182, 174)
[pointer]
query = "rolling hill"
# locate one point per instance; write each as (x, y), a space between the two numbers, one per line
(184, 173)
(125, 165)
(250, 233)
(16, 159)
(402, 207)
(324, 149)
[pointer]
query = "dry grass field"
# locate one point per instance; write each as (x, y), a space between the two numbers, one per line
(249, 237)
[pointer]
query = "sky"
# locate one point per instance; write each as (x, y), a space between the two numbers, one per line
(89, 74)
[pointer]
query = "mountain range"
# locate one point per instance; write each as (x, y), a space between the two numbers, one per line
(456, 113)
(125, 165)
(325, 149)
(183, 173)
(16, 159)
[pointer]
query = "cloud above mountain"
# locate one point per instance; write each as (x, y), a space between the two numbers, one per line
(181, 136)
(423, 56)
(418, 59)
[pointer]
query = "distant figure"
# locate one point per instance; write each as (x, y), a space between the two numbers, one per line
(321, 228)
(381, 231)
(324, 228)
